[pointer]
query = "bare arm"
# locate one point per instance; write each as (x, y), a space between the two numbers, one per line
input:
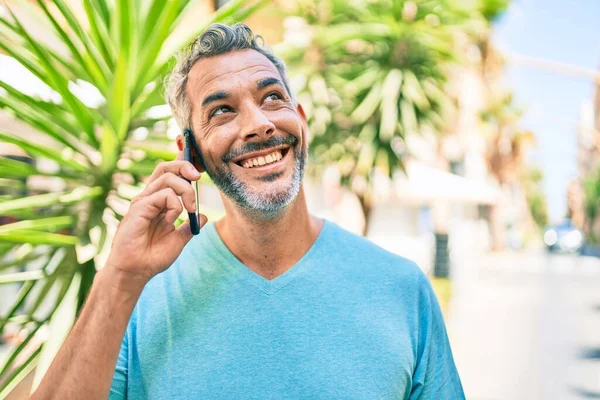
(84, 366)
(145, 244)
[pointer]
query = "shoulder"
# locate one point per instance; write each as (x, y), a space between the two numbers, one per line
(370, 259)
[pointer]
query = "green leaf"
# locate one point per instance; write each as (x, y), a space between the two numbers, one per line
(18, 301)
(91, 68)
(44, 200)
(40, 122)
(150, 96)
(155, 11)
(413, 92)
(20, 373)
(44, 151)
(408, 116)
(127, 28)
(16, 185)
(18, 349)
(235, 10)
(20, 255)
(109, 148)
(362, 82)
(99, 34)
(389, 105)
(53, 223)
(50, 112)
(338, 34)
(103, 10)
(22, 276)
(152, 46)
(19, 53)
(92, 52)
(119, 107)
(367, 107)
(155, 152)
(36, 237)
(366, 159)
(14, 168)
(59, 83)
(57, 277)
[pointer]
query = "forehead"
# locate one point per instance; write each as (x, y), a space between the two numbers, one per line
(225, 71)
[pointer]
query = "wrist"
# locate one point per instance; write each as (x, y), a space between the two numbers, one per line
(122, 282)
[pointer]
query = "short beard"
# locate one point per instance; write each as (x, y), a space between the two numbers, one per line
(261, 206)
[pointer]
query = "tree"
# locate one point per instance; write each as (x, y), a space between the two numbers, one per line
(120, 51)
(536, 200)
(591, 189)
(373, 72)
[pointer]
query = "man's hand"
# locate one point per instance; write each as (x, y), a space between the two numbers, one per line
(147, 242)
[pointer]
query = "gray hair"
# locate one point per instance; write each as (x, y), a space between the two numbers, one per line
(217, 39)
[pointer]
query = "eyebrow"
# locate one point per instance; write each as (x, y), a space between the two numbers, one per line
(268, 82)
(211, 98)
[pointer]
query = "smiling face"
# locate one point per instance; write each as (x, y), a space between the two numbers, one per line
(252, 136)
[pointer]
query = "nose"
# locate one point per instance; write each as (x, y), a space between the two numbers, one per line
(255, 124)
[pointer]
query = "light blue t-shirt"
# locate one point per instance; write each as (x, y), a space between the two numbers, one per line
(348, 321)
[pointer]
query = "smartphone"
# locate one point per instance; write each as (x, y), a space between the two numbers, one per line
(189, 146)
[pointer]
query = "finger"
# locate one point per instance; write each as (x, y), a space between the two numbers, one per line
(171, 216)
(179, 186)
(183, 234)
(185, 231)
(179, 155)
(177, 167)
(164, 201)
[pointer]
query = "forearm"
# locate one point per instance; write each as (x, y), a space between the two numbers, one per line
(84, 366)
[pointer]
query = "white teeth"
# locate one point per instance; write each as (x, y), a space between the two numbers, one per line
(259, 161)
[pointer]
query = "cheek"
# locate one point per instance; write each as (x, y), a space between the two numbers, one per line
(216, 147)
(288, 122)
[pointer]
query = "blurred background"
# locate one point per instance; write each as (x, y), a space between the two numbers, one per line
(462, 134)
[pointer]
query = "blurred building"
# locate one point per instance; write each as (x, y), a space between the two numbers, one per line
(588, 160)
(588, 138)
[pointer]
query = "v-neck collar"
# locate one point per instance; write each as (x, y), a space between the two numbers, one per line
(267, 286)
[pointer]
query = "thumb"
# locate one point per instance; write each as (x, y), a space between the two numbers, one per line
(184, 234)
(184, 231)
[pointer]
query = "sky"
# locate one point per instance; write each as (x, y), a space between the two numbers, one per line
(566, 31)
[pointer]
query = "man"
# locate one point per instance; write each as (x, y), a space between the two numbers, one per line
(268, 302)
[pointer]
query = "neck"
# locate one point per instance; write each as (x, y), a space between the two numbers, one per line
(269, 247)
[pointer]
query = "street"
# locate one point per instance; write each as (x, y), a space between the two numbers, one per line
(526, 326)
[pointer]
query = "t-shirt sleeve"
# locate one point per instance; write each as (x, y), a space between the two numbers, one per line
(435, 375)
(118, 388)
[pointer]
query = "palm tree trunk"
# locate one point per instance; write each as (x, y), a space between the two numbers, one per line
(367, 206)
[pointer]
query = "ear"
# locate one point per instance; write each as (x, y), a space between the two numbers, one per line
(301, 112)
(198, 160)
(305, 133)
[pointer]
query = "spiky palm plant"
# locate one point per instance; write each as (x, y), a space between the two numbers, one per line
(374, 72)
(51, 241)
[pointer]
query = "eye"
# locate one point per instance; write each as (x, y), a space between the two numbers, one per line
(274, 96)
(220, 110)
